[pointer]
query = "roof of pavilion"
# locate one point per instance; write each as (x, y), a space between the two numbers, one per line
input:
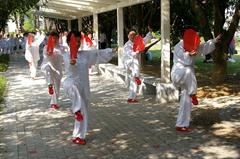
(72, 9)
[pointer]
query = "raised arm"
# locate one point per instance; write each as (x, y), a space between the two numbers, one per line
(100, 56)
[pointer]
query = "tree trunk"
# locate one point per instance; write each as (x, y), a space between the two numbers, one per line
(219, 71)
(16, 17)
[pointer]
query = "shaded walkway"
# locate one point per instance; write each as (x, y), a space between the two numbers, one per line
(30, 129)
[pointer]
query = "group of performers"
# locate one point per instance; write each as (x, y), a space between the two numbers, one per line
(182, 73)
(78, 52)
(10, 44)
(76, 84)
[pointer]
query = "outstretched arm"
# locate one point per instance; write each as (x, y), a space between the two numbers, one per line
(100, 56)
(208, 46)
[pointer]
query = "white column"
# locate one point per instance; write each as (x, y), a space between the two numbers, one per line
(69, 25)
(120, 35)
(165, 40)
(95, 27)
(79, 23)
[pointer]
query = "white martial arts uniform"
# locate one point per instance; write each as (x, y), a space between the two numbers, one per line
(52, 68)
(183, 76)
(32, 55)
(131, 62)
(76, 84)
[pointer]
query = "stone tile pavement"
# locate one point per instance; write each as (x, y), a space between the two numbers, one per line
(29, 129)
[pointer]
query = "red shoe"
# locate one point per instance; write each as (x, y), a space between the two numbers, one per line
(132, 100)
(183, 129)
(50, 89)
(79, 116)
(194, 100)
(79, 141)
(137, 80)
(55, 106)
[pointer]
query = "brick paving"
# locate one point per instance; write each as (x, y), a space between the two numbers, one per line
(30, 129)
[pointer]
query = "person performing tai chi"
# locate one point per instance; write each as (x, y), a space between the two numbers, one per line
(183, 75)
(131, 58)
(76, 84)
(32, 53)
(52, 67)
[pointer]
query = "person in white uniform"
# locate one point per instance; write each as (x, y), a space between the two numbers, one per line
(76, 84)
(52, 68)
(32, 53)
(131, 64)
(183, 77)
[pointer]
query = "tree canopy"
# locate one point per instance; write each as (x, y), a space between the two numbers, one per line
(9, 7)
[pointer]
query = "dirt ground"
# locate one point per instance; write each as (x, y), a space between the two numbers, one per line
(231, 85)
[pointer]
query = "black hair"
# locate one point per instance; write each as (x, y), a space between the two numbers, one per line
(76, 34)
(54, 33)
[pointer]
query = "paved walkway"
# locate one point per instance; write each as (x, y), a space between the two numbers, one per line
(29, 129)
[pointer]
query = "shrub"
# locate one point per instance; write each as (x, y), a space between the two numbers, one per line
(4, 60)
(3, 83)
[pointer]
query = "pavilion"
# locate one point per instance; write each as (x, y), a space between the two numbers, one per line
(77, 9)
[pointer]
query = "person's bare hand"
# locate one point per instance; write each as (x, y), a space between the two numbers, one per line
(115, 50)
(49, 53)
(73, 61)
(193, 53)
(218, 38)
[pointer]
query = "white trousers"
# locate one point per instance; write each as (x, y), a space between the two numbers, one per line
(184, 78)
(184, 113)
(79, 102)
(33, 69)
(132, 68)
(54, 79)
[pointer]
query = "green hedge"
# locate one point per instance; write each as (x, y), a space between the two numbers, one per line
(3, 83)
(4, 60)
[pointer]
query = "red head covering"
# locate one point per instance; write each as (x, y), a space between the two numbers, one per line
(73, 47)
(50, 45)
(29, 40)
(138, 43)
(60, 40)
(88, 41)
(191, 40)
(82, 38)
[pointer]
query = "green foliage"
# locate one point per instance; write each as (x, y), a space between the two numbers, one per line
(28, 25)
(4, 60)
(3, 83)
(9, 7)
